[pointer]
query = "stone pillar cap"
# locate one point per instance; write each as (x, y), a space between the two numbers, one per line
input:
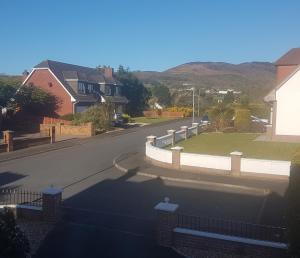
(166, 206)
(52, 191)
(236, 153)
(8, 131)
(151, 137)
(171, 131)
(184, 127)
(195, 123)
(177, 148)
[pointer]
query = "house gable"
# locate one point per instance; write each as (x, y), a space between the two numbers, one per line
(47, 81)
(288, 106)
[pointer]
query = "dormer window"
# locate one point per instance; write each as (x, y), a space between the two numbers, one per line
(81, 87)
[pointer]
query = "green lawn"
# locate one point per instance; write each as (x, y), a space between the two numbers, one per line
(150, 120)
(223, 144)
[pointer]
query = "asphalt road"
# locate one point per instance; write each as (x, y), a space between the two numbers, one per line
(108, 207)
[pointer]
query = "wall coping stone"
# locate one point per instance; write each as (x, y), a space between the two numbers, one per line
(52, 191)
(29, 207)
(177, 148)
(166, 206)
(236, 153)
(231, 238)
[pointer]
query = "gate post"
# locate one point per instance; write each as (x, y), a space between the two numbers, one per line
(52, 198)
(9, 140)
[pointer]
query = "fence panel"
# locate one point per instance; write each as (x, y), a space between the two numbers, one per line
(179, 136)
(192, 130)
(232, 228)
(164, 141)
(22, 197)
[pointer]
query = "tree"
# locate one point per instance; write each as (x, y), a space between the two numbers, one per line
(13, 242)
(293, 208)
(228, 98)
(6, 92)
(134, 90)
(242, 121)
(162, 93)
(36, 101)
(221, 116)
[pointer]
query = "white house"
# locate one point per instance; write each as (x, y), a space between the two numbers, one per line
(285, 99)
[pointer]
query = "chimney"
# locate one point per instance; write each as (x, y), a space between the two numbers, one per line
(108, 72)
(24, 75)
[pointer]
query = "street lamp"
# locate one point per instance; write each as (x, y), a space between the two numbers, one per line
(193, 90)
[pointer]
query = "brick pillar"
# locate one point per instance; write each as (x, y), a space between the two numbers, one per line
(185, 129)
(92, 129)
(172, 132)
(59, 126)
(166, 222)
(52, 198)
(151, 139)
(9, 140)
(236, 157)
(52, 133)
(197, 130)
(176, 156)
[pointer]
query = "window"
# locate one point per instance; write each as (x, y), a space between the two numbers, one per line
(107, 91)
(81, 87)
(118, 91)
(90, 88)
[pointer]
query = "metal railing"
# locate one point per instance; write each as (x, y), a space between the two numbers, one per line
(232, 228)
(21, 197)
(164, 141)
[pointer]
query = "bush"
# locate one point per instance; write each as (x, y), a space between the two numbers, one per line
(13, 242)
(68, 117)
(126, 118)
(242, 122)
(293, 207)
(221, 116)
(100, 115)
(187, 112)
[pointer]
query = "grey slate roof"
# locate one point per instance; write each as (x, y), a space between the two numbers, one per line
(290, 58)
(65, 72)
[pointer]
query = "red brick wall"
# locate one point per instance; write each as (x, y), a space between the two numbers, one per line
(42, 79)
(284, 71)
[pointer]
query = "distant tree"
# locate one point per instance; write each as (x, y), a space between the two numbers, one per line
(242, 121)
(162, 93)
(221, 116)
(6, 92)
(13, 242)
(244, 101)
(134, 90)
(228, 98)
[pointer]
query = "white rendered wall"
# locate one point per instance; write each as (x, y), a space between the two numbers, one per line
(205, 161)
(158, 154)
(272, 167)
(288, 107)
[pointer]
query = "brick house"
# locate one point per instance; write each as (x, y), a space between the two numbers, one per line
(285, 99)
(77, 87)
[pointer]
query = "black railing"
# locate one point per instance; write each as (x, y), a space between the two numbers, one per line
(232, 228)
(21, 197)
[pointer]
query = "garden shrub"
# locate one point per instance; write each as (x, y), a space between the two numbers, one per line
(293, 207)
(100, 115)
(187, 111)
(242, 122)
(68, 117)
(13, 242)
(126, 118)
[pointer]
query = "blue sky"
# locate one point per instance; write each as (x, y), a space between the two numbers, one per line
(145, 35)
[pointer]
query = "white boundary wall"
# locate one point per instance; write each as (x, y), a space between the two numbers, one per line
(158, 154)
(205, 161)
(258, 166)
(272, 167)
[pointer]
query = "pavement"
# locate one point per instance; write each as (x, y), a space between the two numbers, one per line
(107, 207)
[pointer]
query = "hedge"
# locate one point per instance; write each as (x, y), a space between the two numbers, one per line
(242, 122)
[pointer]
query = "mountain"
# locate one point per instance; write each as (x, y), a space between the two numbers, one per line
(253, 78)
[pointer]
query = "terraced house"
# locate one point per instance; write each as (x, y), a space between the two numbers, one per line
(77, 87)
